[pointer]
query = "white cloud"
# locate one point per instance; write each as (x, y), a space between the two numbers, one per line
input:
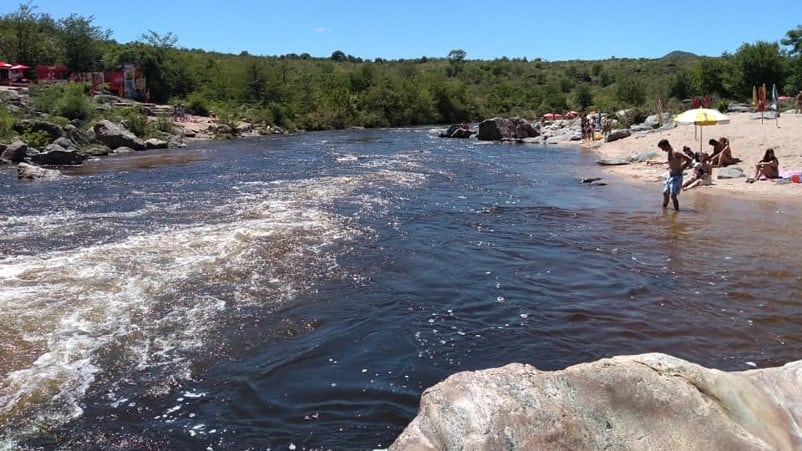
(322, 29)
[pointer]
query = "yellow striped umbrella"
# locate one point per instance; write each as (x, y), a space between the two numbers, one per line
(701, 117)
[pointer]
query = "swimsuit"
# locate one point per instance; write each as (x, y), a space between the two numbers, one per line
(673, 184)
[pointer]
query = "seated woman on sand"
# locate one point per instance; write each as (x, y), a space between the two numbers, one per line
(722, 153)
(768, 167)
(702, 173)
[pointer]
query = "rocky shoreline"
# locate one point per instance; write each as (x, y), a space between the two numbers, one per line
(71, 143)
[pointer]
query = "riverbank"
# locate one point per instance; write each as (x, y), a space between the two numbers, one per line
(749, 138)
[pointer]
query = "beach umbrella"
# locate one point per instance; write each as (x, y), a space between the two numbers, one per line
(701, 117)
(19, 67)
(775, 102)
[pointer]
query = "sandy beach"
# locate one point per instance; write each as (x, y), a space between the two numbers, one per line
(749, 138)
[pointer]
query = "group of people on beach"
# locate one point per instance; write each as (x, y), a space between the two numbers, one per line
(703, 164)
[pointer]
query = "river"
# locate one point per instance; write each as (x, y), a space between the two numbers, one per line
(300, 292)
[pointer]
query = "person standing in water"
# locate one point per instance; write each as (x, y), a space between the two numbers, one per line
(673, 184)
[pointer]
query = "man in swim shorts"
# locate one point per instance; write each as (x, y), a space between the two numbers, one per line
(673, 184)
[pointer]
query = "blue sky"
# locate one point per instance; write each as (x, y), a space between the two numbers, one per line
(551, 30)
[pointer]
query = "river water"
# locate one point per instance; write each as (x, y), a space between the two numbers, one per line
(302, 291)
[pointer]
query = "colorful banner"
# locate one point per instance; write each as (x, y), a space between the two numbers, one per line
(133, 83)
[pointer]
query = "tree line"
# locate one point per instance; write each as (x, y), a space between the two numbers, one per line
(304, 92)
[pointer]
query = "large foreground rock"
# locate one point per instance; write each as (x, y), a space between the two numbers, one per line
(650, 401)
(114, 136)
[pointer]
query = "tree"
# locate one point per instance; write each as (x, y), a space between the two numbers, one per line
(630, 91)
(456, 59)
(29, 37)
(793, 40)
(583, 98)
(683, 85)
(711, 76)
(81, 43)
(338, 56)
(754, 65)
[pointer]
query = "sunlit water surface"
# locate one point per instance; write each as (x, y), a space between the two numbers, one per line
(304, 290)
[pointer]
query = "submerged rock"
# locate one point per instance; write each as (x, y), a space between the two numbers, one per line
(27, 171)
(649, 401)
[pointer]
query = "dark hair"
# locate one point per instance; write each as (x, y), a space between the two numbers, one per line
(663, 143)
(713, 142)
(766, 156)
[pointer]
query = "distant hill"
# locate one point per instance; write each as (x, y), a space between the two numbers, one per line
(680, 54)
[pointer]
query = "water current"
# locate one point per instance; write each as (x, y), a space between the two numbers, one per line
(300, 292)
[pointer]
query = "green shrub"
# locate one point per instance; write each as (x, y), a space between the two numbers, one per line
(45, 97)
(6, 123)
(68, 100)
(59, 120)
(163, 123)
(37, 139)
(136, 121)
(197, 104)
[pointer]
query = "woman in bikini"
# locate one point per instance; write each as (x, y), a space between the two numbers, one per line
(768, 167)
(702, 174)
(722, 153)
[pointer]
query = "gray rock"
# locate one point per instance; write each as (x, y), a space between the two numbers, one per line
(63, 142)
(55, 155)
(95, 151)
(456, 131)
(498, 128)
(739, 108)
(653, 121)
(27, 171)
(223, 129)
(154, 143)
(15, 152)
(614, 161)
(649, 401)
(114, 136)
(77, 135)
(646, 155)
(768, 114)
(730, 172)
(615, 135)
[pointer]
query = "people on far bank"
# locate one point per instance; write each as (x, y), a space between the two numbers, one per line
(767, 167)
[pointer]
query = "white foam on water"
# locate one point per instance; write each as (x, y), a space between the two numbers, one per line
(150, 298)
(68, 306)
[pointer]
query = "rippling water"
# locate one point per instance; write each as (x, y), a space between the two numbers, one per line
(304, 290)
